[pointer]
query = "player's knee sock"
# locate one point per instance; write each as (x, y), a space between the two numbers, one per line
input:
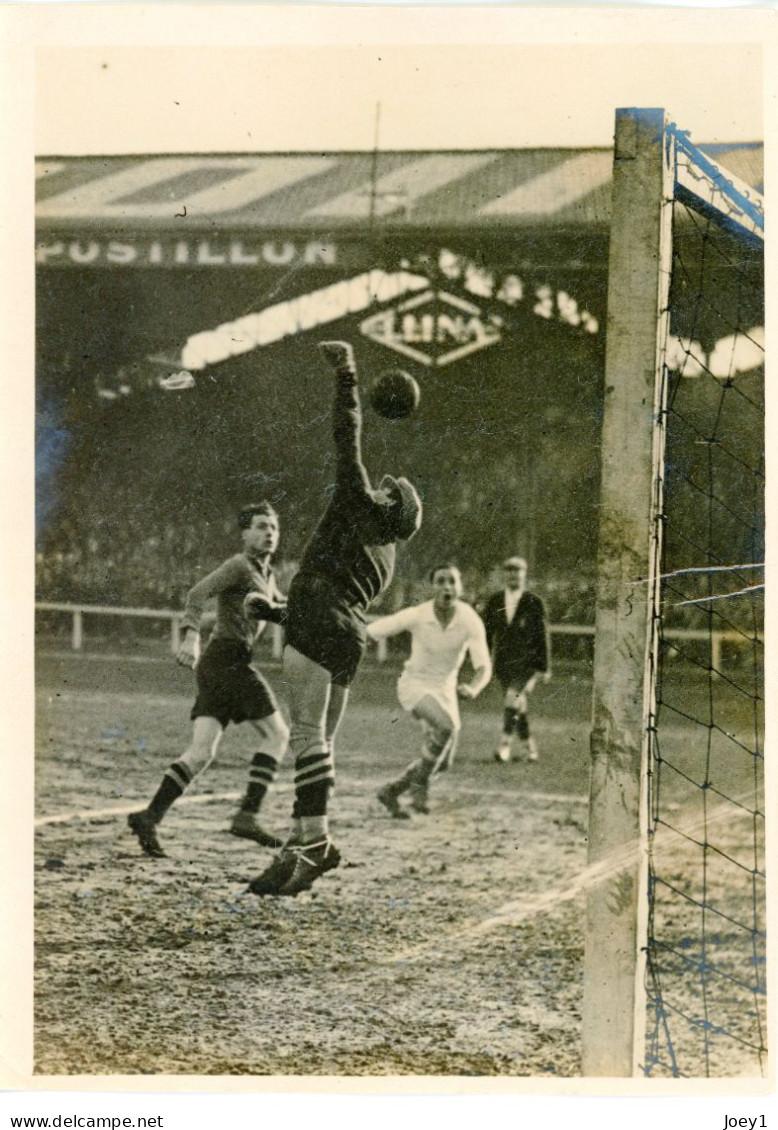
(522, 727)
(175, 781)
(314, 774)
(424, 770)
(434, 749)
(509, 719)
(417, 773)
(297, 825)
(313, 803)
(403, 783)
(262, 773)
(446, 755)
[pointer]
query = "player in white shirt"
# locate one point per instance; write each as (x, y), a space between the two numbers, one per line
(443, 630)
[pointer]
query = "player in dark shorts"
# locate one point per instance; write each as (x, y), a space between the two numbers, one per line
(229, 688)
(347, 564)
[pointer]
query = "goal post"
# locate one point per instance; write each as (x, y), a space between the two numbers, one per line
(675, 890)
(638, 284)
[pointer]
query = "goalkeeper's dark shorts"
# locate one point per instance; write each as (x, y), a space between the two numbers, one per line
(229, 689)
(324, 627)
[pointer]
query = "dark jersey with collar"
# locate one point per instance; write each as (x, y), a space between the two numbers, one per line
(353, 546)
(230, 584)
(520, 647)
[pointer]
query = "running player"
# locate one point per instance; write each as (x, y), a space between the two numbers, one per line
(442, 632)
(517, 632)
(347, 564)
(229, 688)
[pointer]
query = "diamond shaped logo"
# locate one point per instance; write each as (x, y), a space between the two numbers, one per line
(433, 328)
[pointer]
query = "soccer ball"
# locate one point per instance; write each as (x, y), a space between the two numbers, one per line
(394, 395)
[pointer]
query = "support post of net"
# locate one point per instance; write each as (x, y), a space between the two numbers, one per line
(617, 903)
(77, 637)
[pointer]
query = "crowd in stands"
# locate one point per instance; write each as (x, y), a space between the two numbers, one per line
(83, 562)
(123, 567)
(120, 569)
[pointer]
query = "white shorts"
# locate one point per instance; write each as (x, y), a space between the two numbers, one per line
(410, 692)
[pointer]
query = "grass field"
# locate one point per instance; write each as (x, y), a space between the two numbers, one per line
(447, 945)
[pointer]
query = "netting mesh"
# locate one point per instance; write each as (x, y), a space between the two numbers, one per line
(706, 937)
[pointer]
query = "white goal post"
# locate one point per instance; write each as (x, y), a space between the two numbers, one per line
(651, 171)
(638, 287)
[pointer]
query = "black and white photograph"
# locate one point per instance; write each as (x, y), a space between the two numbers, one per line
(399, 548)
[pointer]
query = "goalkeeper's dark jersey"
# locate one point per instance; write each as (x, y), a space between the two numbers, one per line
(230, 584)
(352, 547)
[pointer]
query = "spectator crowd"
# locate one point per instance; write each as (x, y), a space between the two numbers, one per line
(124, 566)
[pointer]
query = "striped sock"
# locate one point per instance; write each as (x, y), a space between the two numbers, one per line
(174, 783)
(314, 776)
(261, 776)
(509, 720)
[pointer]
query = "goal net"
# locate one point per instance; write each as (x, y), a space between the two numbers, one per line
(677, 745)
(706, 926)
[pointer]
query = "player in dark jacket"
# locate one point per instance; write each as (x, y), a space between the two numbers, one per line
(347, 564)
(229, 688)
(517, 633)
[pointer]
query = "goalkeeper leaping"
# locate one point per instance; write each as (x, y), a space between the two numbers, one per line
(346, 565)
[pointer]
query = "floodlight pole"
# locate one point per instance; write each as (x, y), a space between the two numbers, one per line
(629, 532)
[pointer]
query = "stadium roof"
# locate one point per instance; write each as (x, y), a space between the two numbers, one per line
(318, 192)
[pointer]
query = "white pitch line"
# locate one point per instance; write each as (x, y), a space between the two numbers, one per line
(99, 813)
(367, 784)
(108, 657)
(563, 798)
(516, 912)
(129, 697)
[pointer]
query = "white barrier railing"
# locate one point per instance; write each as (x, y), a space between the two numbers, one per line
(78, 611)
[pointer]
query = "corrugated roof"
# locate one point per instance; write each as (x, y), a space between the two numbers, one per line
(329, 191)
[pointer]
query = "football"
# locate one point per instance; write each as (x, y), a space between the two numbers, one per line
(394, 395)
